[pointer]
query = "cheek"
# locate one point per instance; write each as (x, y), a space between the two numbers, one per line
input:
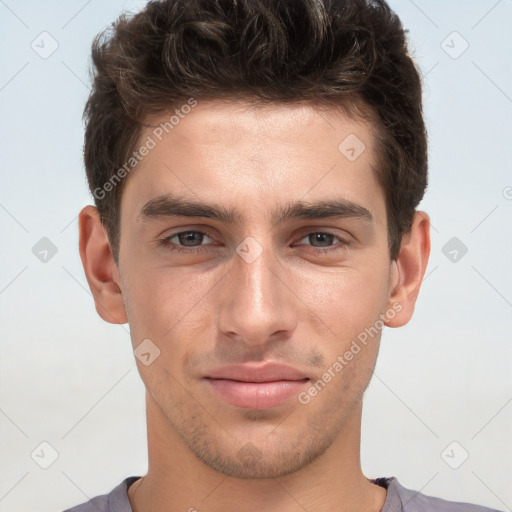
(160, 308)
(162, 303)
(348, 299)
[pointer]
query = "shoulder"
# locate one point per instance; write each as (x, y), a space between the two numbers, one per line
(114, 501)
(414, 501)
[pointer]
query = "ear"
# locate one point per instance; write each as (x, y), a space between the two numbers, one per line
(99, 266)
(408, 269)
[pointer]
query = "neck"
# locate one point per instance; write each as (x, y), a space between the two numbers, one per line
(178, 481)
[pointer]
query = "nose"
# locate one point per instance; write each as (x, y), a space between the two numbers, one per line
(258, 303)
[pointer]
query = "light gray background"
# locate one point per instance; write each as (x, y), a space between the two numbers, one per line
(69, 379)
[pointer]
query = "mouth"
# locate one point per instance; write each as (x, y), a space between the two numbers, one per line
(251, 387)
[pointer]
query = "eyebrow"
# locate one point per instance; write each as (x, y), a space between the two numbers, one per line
(171, 205)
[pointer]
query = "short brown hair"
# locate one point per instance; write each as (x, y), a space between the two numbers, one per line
(337, 52)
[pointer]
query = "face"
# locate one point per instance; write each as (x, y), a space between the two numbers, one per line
(260, 270)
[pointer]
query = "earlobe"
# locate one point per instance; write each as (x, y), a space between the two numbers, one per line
(408, 270)
(100, 268)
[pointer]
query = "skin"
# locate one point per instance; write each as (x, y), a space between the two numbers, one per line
(291, 305)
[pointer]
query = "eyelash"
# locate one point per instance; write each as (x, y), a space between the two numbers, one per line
(167, 244)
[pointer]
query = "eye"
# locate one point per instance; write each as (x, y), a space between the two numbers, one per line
(191, 242)
(325, 239)
(185, 239)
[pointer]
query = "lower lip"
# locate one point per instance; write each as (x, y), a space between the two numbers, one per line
(256, 395)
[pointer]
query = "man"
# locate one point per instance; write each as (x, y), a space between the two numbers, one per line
(256, 168)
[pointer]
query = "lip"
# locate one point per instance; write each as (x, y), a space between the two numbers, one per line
(264, 373)
(252, 387)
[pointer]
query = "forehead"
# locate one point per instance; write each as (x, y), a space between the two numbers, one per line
(237, 152)
(250, 122)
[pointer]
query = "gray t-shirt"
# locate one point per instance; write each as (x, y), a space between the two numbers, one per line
(398, 499)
